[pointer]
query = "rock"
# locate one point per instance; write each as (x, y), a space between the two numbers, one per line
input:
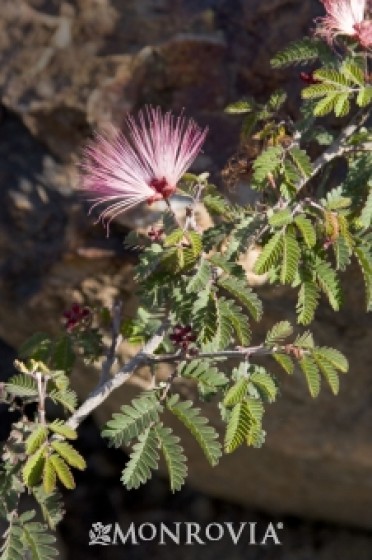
(67, 67)
(75, 65)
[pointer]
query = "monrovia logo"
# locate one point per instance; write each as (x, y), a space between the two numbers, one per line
(185, 533)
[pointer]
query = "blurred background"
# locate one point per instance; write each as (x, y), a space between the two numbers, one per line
(66, 68)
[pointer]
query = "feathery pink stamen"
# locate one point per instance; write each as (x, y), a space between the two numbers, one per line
(143, 165)
(346, 17)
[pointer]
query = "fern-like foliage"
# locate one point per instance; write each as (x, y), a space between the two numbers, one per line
(302, 51)
(209, 379)
(143, 459)
(278, 333)
(237, 392)
(22, 385)
(238, 427)
(328, 282)
(364, 258)
(308, 299)
(244, 294)
(270, 255)
(50, 504)
(25, 538)
(244, 425)
(132, 420)
(265, 164)
(291, 258)
(264, 384)
(311, 372)
(173, 455)
(198, 425)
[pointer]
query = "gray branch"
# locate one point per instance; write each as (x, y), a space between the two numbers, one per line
(337, 149)
(102, 391)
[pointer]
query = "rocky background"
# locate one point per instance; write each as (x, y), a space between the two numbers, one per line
(68, 67)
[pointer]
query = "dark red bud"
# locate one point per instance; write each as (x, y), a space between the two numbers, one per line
(308, 78)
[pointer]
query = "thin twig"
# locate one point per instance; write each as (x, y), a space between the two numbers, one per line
(101, 392)
(335, 150)
(237, 353)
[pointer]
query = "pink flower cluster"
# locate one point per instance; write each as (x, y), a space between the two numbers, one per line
(346, 17)
(145, 164)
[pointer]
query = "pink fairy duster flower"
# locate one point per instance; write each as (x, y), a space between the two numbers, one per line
(145, 164)
(346, 17)
(364, 33)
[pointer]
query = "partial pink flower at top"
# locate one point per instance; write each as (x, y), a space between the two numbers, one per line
(364, 33)
(346, 17)
(145, 164)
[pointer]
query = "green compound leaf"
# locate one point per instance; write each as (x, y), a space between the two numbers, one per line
(209, 379)
(329, 283)
(63, 471)
(132, 420)
(342, 253)
(244, 294)
(334, 357)
(270, 255)
(297, 52)
(59, 427)
(239, 107)
(278, 333)
(325, 105)
(364, 97)
(51, 504)
(308, 300)
(22, 385)
(328, 371)
(311, 372)
(65, 397)
(143, 459)
(33, 467)
(353, 72)
(238, 320)
(36, 439)
(281, 218)
(285, 362)
(38, 542)
(305, 341)
(302, 161)
(205, 315)
(237, 393)
(291, 258)
(13, 547)
(49, 477)
(238, 427)
(307, 230)
(365, 262)
(173, 455)
(366, 214)
(317, 90)
(244, 425)
(267, 163)
(331, 76)
(201, 277)
(69, 454)
(342, 105)
(265, 384)
(223, 328)
(203, 432)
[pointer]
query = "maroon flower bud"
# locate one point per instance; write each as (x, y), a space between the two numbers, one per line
(308, 78)
(75, 316)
